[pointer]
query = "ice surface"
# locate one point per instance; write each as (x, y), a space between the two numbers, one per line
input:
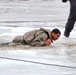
(20, 16)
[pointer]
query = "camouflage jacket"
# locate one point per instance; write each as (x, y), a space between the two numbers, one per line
(34, 37)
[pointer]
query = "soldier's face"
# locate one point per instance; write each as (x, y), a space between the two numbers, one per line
(55, 36)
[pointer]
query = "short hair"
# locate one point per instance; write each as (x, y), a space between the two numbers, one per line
(56, 31)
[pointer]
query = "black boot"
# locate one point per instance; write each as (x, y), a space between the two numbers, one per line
(64, 0)
(66, 34)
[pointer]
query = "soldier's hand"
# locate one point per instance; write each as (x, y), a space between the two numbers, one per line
(48, 42)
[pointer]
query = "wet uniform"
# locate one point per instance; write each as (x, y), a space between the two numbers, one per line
(34, 38)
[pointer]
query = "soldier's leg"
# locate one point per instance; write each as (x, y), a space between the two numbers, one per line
(18, 39)
(70, 24)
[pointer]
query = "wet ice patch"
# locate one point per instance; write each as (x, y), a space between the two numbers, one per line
(4, 30)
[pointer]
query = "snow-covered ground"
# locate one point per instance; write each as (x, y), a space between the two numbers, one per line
(20, 16)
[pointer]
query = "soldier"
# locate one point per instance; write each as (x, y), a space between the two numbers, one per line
(40, 37)
(72, 18)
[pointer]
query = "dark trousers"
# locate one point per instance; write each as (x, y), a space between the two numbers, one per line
(72, 17)
(70, 23)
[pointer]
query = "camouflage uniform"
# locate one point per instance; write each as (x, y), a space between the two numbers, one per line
(34, 38)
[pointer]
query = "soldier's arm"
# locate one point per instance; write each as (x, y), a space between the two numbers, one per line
(39, 40)
(38, 44)
(48, 42)
(43, 43)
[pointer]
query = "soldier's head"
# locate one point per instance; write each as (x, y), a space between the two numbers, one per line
(55, 34)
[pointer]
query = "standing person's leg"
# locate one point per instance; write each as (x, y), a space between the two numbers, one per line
(69, 25)
(72, 18)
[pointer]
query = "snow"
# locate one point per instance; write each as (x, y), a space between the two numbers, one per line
(20, 16)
